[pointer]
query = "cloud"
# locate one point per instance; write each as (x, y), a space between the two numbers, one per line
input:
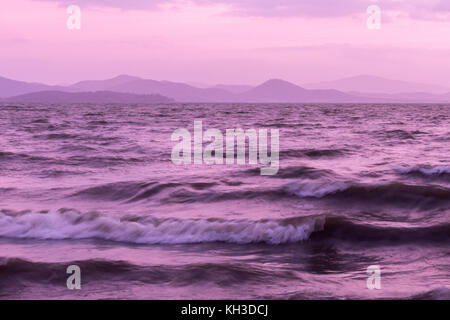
(130, 4)
(443, 6)
(316, 8)
(280, 8)
(16, 40)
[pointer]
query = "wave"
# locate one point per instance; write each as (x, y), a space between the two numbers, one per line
(313, 153)
(66, 224)
(223, 274)
(100, 161)
(132, 191)
(115, 191)
(70, 224)
(11, 156)
(429, 172)
(338, 228)
(440, 293)
(328, 188)
(393, 193)
(316, 189)
(55, 173)
(294, 172)
(398, 134)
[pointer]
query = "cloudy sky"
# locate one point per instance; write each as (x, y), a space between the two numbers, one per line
(225, 41)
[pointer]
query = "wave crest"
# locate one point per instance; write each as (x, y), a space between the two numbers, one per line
(69, 224)
(428, 172)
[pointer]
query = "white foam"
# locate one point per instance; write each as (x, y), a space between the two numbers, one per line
(75, 225)
(315, 189)
(429, 171)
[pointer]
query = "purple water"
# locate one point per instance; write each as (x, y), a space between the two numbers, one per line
(94, 185)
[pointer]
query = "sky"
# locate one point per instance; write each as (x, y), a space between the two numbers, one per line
(225, 41)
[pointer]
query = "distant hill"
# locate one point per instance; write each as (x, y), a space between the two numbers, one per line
(92, 97)
(412, 97)
(125, 88)
(277, 90)
(233, 88)
(373, 84)
(102, 85)
(9, 88)
(179, 91)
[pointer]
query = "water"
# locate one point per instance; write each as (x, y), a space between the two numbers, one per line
(93, 185)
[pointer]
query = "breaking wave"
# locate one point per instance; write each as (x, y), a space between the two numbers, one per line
(393, 193)
(429, 172)
(69, 224)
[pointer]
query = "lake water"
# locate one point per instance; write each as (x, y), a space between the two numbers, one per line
(94, 186)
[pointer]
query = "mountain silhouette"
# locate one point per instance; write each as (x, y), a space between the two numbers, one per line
(276, 90)
(374, 84)
(126, 88)
(85, 97)
(10, 87)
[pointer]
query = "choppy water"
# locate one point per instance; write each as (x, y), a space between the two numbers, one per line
(93, 185)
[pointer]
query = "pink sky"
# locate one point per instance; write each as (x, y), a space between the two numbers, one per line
(225, 41)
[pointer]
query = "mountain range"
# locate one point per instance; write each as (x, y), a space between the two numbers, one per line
(93, 97)
(374, 84)
(125, 88)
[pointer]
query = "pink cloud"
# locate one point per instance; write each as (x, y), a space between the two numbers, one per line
(201, 41)
(268, 8)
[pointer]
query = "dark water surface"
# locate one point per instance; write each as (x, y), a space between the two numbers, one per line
(94, 185)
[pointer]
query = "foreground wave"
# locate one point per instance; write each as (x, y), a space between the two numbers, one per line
(224, 274)
(71, 224)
